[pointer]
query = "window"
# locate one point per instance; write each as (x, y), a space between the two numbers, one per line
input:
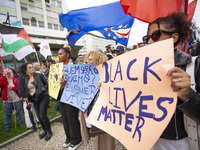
(38, 10)
(1, 2)
(25, 21)
(61, 28)
(53, 2)
(10, 3)
(41, 24)
(55, 27)
(50, 26)
(48, 13)
(24, 7)
(58, 4)
(31, 8)
(54, 14)
(13, 19)
(33, 23)
(2, 18)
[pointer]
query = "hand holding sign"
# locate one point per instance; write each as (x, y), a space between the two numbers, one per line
(81, 85)
(55, 74)
(180, 82)
(136, 98)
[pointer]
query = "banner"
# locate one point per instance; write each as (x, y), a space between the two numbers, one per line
(55, 73)
(81, 85)
(45, 48)
(136, 101)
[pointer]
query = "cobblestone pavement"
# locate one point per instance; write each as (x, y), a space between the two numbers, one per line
(32, 142)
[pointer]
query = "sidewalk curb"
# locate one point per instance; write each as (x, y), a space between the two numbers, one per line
(56, 119)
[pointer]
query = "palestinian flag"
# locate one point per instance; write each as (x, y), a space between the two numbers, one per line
(15, 41)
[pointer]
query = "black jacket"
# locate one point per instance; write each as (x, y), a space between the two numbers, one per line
(40, 82)
(46, 72)
(175, 129)
(20, 87)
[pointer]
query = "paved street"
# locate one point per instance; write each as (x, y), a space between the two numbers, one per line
(32, 141)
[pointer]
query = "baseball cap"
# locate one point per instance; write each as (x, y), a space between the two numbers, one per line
(119, 48)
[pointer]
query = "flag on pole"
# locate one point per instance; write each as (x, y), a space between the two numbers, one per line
(149, 10)
(45, 49)
(109, 19)
(191, 9)
(15, 41)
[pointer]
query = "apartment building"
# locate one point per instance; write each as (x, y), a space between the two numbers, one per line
(40, 20)
(91, 41)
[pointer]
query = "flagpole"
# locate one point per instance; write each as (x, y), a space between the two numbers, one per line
(37, 56)
(25, 59)
(2, 64)
(11, 96)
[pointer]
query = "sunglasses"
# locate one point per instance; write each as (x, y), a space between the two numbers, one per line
(155, 35)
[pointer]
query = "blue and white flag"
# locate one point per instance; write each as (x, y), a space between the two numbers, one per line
(108, 19)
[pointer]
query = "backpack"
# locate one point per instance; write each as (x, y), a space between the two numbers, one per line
(191, 126)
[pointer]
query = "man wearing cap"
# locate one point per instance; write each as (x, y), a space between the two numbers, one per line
(120, 50)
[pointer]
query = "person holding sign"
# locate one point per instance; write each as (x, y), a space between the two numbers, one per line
(36, 91)
(103, 141)
(177, 27)
(69, 113)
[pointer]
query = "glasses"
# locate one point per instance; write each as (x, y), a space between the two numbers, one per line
(155, 35)
(89, 59)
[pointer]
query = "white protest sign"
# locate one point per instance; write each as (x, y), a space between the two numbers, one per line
(136, 101)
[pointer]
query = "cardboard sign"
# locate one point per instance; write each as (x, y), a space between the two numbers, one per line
(81, 85)
(55, 73)
(136, 101)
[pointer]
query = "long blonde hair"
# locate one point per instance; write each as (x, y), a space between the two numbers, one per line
(98, 57)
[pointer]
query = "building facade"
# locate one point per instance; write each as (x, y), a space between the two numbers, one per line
(93, 42)
(40, 20)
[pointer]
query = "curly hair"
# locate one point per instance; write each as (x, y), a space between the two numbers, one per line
(23, 68)
(97, 57)
(177, 23)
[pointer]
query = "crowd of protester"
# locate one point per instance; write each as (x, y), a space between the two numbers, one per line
(31, 88)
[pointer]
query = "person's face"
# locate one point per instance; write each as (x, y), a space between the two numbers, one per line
(119, 52)
(43, 67)
(47, 63)
(29, 69)
(151, 33)
(89, 60)
(62, 55)
(112, 48)
(37, 67)
(80, 59)
(8, 73)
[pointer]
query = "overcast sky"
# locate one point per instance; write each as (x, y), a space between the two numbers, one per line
(138, 29)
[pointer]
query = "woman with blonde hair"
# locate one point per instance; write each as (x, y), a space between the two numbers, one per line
(11, 98)
(95, 57)
(103, 141)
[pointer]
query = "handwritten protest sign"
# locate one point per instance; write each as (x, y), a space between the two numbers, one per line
(81, 85)
(136, 100)
(55, 73)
